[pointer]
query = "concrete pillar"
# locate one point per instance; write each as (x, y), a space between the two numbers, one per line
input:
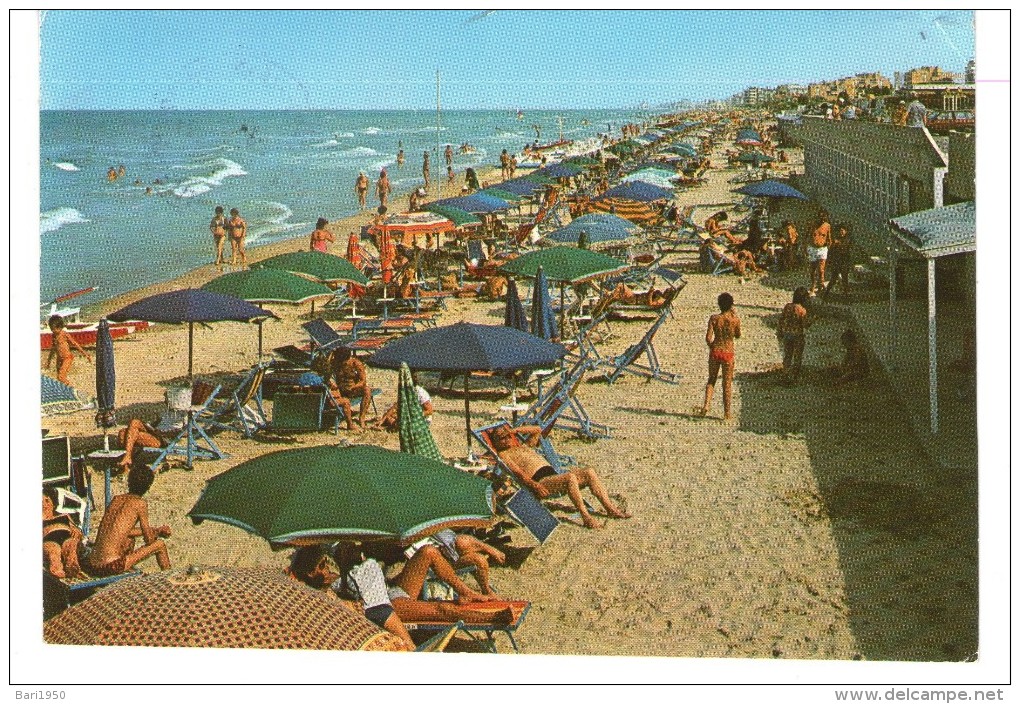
(933, 382)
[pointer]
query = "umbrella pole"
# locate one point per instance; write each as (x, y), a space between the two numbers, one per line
(260, 340)
(191, 350)
(561, 310)
(467, 413)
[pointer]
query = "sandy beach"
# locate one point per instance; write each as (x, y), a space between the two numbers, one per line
(811, 527)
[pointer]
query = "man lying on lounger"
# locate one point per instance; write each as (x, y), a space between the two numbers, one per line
(390, 605)
(125, 520)
(516, 447)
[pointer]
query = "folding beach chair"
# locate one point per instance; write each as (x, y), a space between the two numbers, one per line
(329, 406)
(559, 404)
(438, 642)
(634, 311)
(713, 262)
(628, 361)
(188, 410)
(324, 338)
(243, 411)
(518, 608)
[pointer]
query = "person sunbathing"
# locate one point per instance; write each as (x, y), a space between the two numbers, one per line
(388, 420)
(715, 229)
(516, 447)
(389, 605)
(138, 433)
(652, 297)
(62, 540)
(464, 550)
(742, 261)
(125, 520)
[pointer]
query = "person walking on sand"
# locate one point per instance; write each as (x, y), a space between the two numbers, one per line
(448, 155)
(238, 230)
(361, 188)
(218, 228)
(321, 237)
(818, 252)
(383, 187)
(425, 168)
(125, 520)
(793, 323)
(840, 261)
(723, 329)
(60, 349)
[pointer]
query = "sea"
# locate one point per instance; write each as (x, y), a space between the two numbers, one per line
(281, 169)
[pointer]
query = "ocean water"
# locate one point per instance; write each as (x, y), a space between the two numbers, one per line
(281, 169)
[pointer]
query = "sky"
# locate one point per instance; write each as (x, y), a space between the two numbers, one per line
(487, 59)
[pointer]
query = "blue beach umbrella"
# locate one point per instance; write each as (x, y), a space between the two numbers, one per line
(514, 316)
(638, 191)
(476, 203)
(520, 186)
(562, 170)
(771, 189)
(106, 380)
(543, 320)
(190, 305)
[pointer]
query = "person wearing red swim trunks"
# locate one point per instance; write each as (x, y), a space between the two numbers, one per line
(723, 329)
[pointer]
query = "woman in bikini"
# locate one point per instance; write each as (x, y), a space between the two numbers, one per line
(723, 329)
(321, 237)
(61, 539)
(237, 228)
(218, 228)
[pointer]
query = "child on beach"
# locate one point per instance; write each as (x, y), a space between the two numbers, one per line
(218, 228)
(793, 322)
(238, 229)
(723, 329)
(321, 237)
(60, 349)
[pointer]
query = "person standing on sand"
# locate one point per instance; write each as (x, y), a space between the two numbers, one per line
(425, 168)
(818, 252)
(793, 323)
(218, 228)
(383, 187)
(238, 230)
(321, 237)
(723, 329)
(361, 188)
(448, 155)
(125, 520)
(840, 261)
(60, 349)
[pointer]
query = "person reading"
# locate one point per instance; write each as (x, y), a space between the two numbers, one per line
(516, 447)
(125, 520)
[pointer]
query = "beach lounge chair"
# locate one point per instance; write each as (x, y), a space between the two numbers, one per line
(675, 281)
(628, 361)
(520, 611)
(298, 410)
(243, 411)
(324, 338)
(558, 403)
(442, 638)
(188, 410)
(713, 262)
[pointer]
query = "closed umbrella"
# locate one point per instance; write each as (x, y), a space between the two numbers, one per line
(543, 321)
(216, 607)
(468, 347)
(514, 316)
(315, 495)
(106, 381)
(355, 291)
(412, 426)
(191, 305)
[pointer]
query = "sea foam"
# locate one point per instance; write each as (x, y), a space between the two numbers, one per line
(53, 220)
(197, 185)
(65, 166)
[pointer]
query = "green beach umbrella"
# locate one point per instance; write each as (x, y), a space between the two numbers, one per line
(539, 179)
(316, 495)
(565, 264)
(318, 265)
(503, 195)
(415, 433)
(582, 160)
(455, 215)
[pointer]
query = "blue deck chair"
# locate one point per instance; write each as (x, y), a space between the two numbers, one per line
(324, 338)
(192, 441)
(474, 630)
(243, 411)
(558, 402)
(712, 262)
(628, 361)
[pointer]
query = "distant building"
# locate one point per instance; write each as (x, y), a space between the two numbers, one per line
(758, 96)
(897, 80)
(791, 90)
(945, 97)
(928, 74)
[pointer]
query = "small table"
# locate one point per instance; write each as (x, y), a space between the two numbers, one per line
(514, 409)
(105, 460)
(385, 306)
(464, 464)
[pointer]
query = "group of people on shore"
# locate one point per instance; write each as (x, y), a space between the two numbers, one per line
(233, 227)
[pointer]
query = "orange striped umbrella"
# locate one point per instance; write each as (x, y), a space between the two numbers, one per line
(354, 257)
(632, 210)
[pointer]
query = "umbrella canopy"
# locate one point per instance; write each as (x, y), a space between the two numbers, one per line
(640, 191)
(562, 170)
(539, 178)
(415, 434)
(459, 217)
(543, 320)
(656, 177)
(754, 158)
(635, 211)
(582, 160)
(514, 316)
(467, 347)
(224, 607)
(318, 265)
(564, 264)
(58, 397)
(497, 192)
(315, 495)
(475, 203)
(748, 136)
(771, 189)
(267, 286)
(519, 186)
(106, 376)
(192, 305)
(597, 229)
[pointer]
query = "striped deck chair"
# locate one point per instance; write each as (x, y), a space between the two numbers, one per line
(558, 402)
(243, 411)
(192, 440)
(628, 361)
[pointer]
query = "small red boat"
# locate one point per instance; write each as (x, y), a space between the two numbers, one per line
(83, 333)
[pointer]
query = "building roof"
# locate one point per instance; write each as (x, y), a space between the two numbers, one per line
(938, 231)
